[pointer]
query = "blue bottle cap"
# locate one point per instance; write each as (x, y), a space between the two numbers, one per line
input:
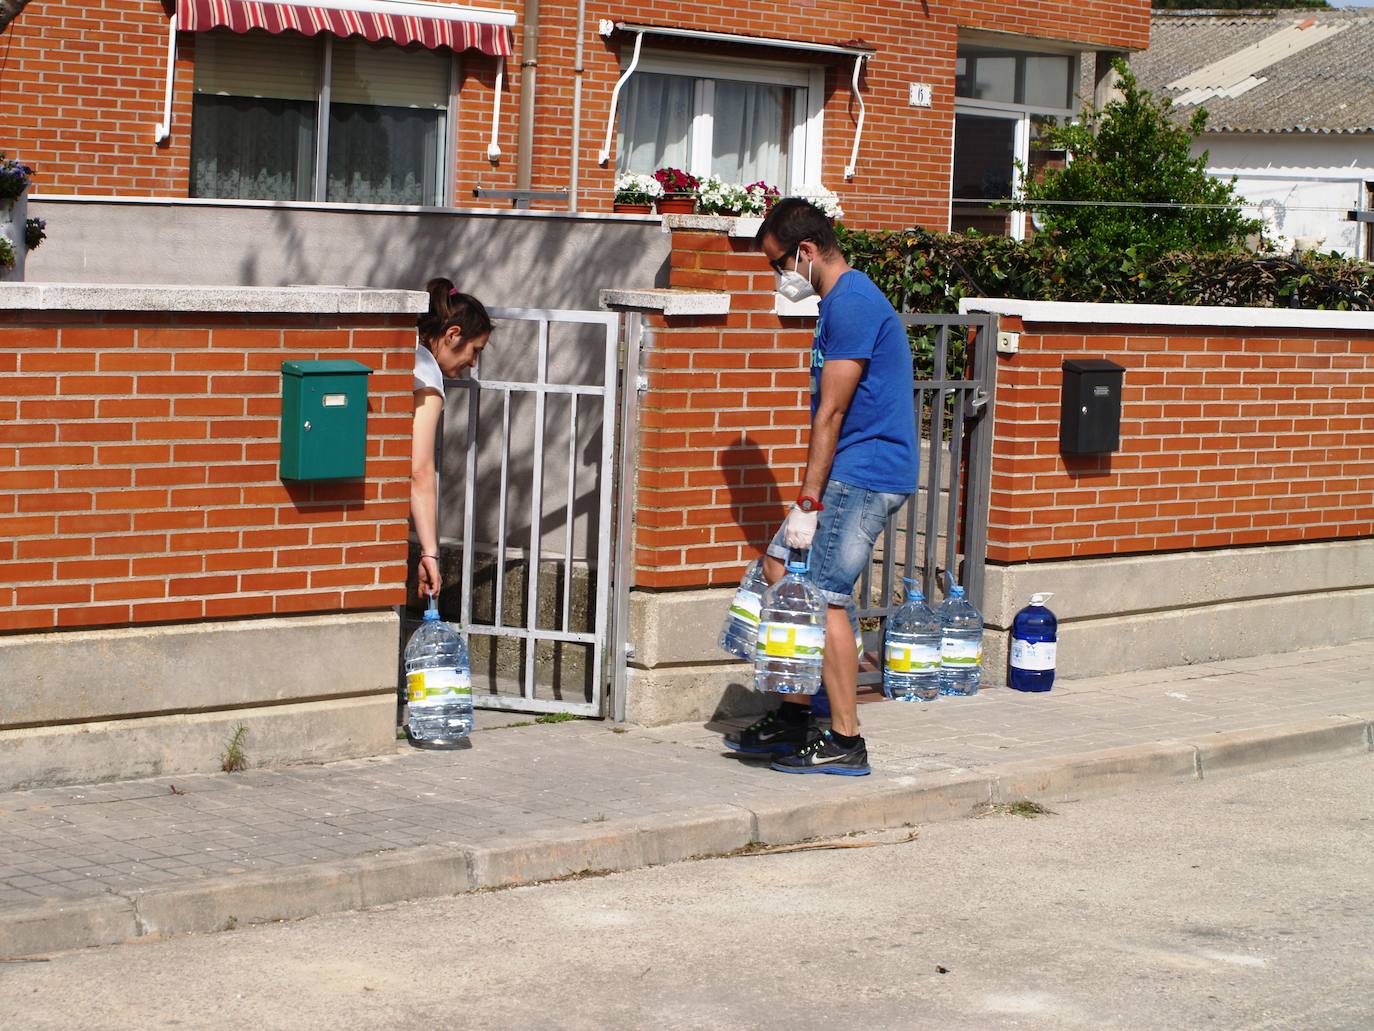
(955, 591)
(432, 612)
(797, 564)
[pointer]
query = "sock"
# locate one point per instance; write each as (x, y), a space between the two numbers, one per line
(793, 714)
(845, 740)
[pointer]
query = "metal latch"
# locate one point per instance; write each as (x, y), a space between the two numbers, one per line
(976, 404)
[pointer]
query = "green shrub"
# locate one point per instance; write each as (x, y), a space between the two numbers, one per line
(1129, 163)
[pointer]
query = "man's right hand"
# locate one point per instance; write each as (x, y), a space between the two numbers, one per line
(429, 578)
(799, 528)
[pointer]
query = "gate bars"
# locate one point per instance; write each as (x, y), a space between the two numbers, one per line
(965, 481)
(479, 391)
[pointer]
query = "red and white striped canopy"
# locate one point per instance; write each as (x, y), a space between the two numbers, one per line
(274, 16)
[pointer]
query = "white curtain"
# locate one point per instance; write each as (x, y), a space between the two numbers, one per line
(752, 132)
(655, 122)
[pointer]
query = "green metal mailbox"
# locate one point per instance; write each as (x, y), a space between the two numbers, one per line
(323, 420)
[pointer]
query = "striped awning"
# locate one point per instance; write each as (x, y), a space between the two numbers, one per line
(399, 21)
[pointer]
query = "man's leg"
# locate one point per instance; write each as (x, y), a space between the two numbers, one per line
(840, 671)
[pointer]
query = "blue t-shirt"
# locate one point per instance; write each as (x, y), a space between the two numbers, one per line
(877, 445)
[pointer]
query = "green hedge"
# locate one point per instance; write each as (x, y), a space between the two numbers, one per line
(926, 271)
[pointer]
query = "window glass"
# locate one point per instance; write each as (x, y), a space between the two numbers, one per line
(752, 132)
(1048, 81)
(994, 77)
(983, 153)
(255, 131)
(655, 122)
(387, 110)
(253, 116)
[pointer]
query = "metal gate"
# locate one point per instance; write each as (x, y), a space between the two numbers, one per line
(943, 528)
(535, 427)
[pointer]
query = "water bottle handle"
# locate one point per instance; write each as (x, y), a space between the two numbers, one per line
(804, 561)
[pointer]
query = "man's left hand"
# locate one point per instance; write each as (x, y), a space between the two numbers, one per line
(799, 528)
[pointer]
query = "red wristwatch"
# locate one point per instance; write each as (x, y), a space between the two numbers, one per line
(809, 504)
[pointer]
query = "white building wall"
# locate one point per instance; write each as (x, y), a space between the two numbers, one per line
(1301, 183)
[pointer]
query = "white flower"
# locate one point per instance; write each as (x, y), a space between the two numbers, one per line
(717, 197)
(818, 195)
(637, 188)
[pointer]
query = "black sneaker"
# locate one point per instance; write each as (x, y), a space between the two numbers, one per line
(825, 755)
(772, 735)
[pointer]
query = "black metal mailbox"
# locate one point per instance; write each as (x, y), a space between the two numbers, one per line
(1090, 406)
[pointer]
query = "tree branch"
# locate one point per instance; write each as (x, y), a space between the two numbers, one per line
(9, 10)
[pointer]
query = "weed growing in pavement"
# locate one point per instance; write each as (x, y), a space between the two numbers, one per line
(556, 717)
(233, 759)
(1025, 808)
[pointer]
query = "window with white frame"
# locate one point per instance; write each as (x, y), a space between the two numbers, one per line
(742, 121)
(288, 117)
(1005, 100)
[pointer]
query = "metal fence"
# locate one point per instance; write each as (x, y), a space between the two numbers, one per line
(942, 530)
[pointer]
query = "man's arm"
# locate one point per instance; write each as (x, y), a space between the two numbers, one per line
(839, 379)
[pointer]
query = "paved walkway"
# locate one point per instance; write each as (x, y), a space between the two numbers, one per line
(124, 843)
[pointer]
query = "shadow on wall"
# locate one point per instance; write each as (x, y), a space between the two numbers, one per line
(509, 262)
(506, 259)
(756, 498)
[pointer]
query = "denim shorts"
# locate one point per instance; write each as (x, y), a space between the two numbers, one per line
(846, 531)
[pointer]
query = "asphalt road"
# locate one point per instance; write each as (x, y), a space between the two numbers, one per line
(1239, 903)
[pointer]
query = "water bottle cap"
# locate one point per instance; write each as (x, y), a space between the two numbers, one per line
(798, 560)
(432, 611)
(1040, 599)
(955, 591)
(797, 566)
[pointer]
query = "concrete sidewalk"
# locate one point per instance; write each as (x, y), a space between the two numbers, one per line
(109, 863)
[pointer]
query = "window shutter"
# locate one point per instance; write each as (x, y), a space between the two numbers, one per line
(257, 64)
(389, 76)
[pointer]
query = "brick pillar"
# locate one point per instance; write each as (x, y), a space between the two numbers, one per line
(723, 424)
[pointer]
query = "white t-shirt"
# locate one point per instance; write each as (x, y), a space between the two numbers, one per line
(428, 375)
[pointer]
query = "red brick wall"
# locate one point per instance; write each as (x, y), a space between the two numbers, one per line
(1228, 437)
(138, 470)
(724, 423)
(83, 90)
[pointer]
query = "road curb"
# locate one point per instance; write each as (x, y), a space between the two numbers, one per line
(435, 871)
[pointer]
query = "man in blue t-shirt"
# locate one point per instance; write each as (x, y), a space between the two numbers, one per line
(861, 467)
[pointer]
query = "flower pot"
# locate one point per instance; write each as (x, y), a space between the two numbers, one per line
(677, 204)
(632, 209)
(13, 220)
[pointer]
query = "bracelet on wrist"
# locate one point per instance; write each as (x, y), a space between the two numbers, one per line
(435, 557)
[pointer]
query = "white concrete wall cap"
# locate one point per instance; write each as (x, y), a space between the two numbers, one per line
(1169, 314)
(295, 300)
(670, 302)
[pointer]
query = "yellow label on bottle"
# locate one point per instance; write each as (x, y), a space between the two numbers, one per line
(790, 641)
(436, 686)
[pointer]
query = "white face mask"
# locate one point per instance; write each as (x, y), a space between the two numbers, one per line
(793, 285)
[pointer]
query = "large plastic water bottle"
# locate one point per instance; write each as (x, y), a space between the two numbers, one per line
(791, 642)
(911, 653)
(740, 634)
(961, 644)
(1034, 633)
(438, 683)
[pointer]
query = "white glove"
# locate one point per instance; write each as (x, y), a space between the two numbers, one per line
(799, 528)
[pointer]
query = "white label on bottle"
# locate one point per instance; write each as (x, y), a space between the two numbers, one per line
(791, 641)
(438, 686)
(1032, 655)
(908, 658)
(747, 606)
(956, 651)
